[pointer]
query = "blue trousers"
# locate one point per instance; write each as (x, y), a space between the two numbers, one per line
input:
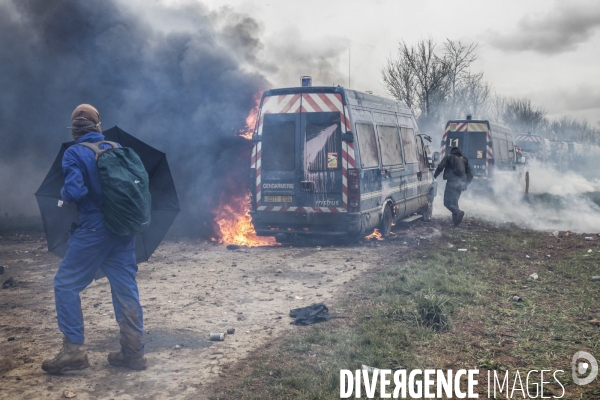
(91, 247)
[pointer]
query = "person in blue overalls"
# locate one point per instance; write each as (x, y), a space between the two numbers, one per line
(92, 247)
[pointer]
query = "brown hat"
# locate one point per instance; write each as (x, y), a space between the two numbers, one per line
(85, 118)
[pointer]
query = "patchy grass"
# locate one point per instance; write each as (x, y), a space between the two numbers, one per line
(435, 307)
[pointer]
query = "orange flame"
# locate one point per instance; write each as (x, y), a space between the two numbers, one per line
(375, 235)
(251, 119)
(233, 218)
(235, 225)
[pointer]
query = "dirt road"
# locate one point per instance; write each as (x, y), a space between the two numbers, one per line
(187, 289)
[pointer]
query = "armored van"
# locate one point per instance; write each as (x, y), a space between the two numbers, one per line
(488, 146)
(328, 161)
(534, 146)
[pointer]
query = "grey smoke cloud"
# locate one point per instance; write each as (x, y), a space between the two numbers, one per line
(178, 75)
(562, 29)
(185, 92)
(293, 55)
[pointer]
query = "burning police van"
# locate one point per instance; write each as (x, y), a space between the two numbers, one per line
(328, 161)
(488, 146)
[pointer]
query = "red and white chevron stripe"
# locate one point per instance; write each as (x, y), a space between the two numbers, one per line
(322, 102)
(530, 138)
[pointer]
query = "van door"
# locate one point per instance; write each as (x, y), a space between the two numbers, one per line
(279, 164)
(370, 173)
(320, 179)
(476, 152)
(392, 166)
(423, 174)
(410, 175)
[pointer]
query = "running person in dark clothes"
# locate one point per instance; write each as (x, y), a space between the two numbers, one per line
(457, 174)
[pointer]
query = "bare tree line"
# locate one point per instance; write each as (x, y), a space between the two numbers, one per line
(440, 85)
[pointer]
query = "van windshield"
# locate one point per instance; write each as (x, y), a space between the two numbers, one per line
(278, 144)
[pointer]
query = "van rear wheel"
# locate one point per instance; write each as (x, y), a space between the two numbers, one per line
(386, 221)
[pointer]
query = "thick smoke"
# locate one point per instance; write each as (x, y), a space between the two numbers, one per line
(183, 91)
(557, 201)
(562, 29)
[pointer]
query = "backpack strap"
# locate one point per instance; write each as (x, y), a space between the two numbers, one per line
(95, 147)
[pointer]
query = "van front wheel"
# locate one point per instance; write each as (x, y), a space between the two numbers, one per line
(386, 221)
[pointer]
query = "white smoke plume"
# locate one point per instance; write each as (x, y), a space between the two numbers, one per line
(557, 201)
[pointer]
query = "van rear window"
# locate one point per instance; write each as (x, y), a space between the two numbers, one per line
(367, 145)
(323, 146)
(278, 145)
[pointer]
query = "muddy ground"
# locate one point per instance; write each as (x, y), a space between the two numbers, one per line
(188, 289)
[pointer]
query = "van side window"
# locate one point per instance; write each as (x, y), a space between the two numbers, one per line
(409, 144)
(278, 145)
(389, 142)
(367, 145)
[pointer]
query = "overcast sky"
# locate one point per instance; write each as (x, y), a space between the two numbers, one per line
(548, 51)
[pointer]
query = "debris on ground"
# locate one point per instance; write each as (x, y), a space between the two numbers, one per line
(1, 269)
(589, 238)
(532, 277)
(69, 394)
(218, 337)
(462, 249)
(230, 331)
(309, 315)
(233, 247)
(517, 299)
(596, 278)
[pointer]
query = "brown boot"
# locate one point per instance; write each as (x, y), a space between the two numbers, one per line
(459, 217)
(71, 357)
(118, 359)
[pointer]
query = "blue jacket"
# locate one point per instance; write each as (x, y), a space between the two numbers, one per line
(82, 181)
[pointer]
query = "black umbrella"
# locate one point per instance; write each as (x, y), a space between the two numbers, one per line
(165, 205)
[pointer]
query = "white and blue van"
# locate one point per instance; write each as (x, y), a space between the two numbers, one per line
(329, 161)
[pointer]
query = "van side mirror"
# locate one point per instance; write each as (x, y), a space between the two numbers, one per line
(436, 157)
(256, 138)
(348, 136)
(443, 142)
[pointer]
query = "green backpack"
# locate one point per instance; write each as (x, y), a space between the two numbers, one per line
(125, 187)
